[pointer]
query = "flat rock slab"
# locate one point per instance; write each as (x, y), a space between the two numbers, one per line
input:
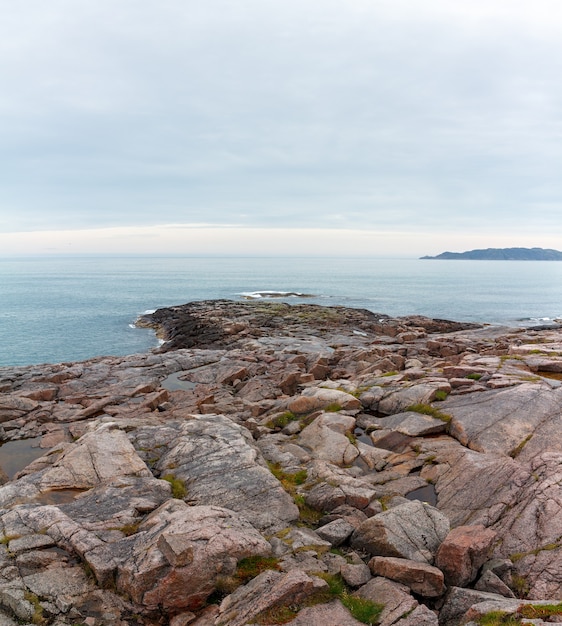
(424, 580)
(97, 456)
(506, 421)
(411, 424)
(331, 614)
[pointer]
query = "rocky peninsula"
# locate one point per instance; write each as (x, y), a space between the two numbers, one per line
(298, 464)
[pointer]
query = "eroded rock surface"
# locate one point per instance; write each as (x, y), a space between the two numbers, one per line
(210, 482)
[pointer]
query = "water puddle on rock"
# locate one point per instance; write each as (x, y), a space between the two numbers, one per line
(362, 436)
(58, 496)
(173, 382)
(15, 455)
(425, 494)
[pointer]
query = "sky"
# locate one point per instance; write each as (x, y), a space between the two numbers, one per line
(308, 127)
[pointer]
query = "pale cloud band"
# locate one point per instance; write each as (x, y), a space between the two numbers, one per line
(225, 240)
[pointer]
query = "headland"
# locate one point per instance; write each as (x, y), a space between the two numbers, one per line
(297, 464)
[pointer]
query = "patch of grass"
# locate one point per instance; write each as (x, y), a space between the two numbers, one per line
(540, 611)
(179, 489)
(37, 617)
(252, 566)
(497, 618)
(287, 479)
(282, 420)
(391, 373)
(129, 529)
(520, 585)
(246, 570)
(474, 376)
(307, 515)
(290, 481)
(518, 449)
(441, 395)
(427, 409)
(333, 408)
(364, 611)
(5, 539)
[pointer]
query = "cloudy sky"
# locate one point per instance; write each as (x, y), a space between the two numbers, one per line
(280, 126)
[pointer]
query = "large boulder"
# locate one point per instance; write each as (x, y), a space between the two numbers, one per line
(424, 580)
(266, 592)
(413, 530)
(220, 465)
(326, 437)
(463, 552)
(179, 553)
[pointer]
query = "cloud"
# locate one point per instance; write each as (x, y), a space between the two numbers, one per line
(393, 116)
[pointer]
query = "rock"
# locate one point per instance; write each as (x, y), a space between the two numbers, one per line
(336, 532)
(266, 592)
(325, 436)
(220, 465)
(424, 580)
(493, 584)
(315, 398)
(412, 424)
(422, 393)
(95, 457)
(355, 575)
(393, 596)
(12, 407)
(500, 421)
(458, 601)
(420, 616)
(330, 614)
(412, 531)
(179, 553)
(463, 552)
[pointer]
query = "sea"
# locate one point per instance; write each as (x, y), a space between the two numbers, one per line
(62, 309)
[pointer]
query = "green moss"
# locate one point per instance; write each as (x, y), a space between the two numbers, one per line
(179, 490)
(427, 409)
(474, 376)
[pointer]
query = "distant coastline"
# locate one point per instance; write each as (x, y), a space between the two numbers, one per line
(501, 254)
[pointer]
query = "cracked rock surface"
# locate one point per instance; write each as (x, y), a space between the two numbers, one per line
(270, 462)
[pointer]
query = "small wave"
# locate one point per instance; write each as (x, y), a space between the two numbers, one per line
(540, 321)
(149, 312)
(256, 295)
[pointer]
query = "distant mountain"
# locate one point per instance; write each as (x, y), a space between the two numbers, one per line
(502, 254)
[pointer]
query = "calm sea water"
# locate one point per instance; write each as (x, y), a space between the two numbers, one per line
(66, 309)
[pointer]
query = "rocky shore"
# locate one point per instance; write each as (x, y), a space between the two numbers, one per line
(286, 464)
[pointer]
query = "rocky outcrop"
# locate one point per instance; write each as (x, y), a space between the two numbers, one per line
(275, 462)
